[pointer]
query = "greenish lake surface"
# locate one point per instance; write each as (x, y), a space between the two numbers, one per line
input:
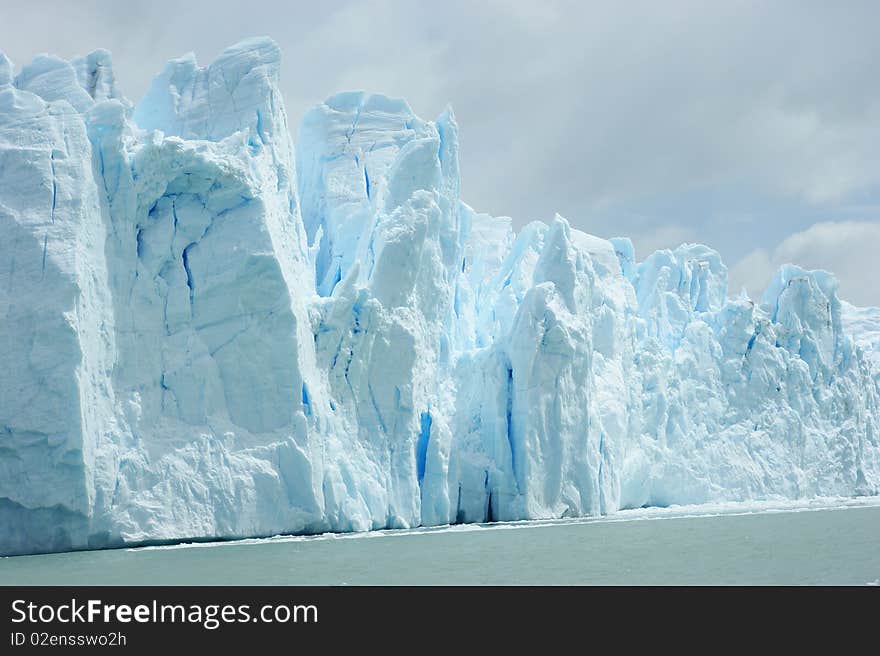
(807, 545)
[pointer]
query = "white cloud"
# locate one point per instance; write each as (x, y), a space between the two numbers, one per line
(849, 249)
(623, 117)
(669, 236)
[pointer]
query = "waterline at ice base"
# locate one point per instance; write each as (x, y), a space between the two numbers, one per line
(207, 331)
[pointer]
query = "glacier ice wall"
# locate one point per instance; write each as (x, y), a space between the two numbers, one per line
(208, 332)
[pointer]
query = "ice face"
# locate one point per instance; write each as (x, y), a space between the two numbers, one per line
(209, 332)
(864, 325)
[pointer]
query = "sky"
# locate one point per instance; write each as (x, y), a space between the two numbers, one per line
(753, 127)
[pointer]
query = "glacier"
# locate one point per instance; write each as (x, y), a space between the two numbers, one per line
(210, 332)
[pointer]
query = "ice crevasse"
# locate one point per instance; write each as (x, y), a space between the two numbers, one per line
(206, 331)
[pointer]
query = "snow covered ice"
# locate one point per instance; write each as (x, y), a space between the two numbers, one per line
(210, 332)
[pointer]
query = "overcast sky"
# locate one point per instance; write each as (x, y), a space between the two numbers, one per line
(753, 127)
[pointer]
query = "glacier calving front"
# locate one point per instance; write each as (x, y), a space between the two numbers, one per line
(205, 332)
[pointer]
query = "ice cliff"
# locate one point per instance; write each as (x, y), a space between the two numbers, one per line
(208, 332)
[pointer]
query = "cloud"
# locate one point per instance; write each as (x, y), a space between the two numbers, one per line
(849, 249)
(668, 236)
(625, 117)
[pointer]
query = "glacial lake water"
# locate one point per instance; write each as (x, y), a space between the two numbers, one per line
(811, 543)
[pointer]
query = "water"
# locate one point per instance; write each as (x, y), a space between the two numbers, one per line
(793, 545)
